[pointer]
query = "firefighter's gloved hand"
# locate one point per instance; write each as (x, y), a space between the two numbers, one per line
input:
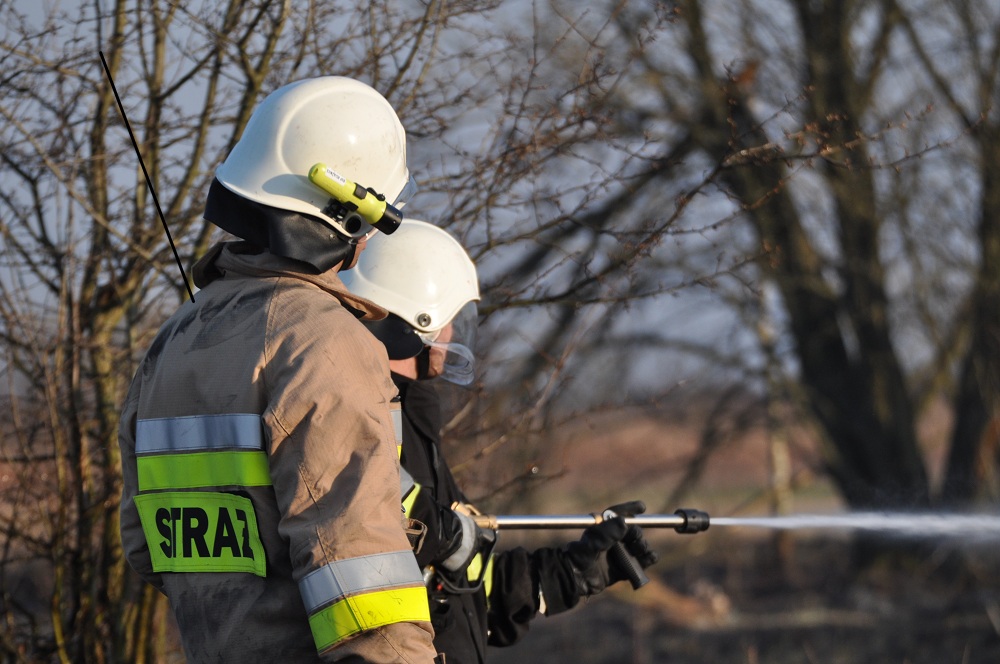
(634, 541)
(593, 569)
(470, 539)
(583, 568)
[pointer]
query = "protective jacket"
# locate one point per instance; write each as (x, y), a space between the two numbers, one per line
(499, 612)
(261, 481)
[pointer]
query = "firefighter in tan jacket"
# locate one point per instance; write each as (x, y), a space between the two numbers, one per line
(259, 437)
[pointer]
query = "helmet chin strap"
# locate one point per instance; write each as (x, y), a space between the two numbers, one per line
(281, 232)
(424, 363)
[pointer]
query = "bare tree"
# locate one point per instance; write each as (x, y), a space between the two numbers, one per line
(817, 127)
(88, 272)
(595, 161)
(969, 87)
(87, 267)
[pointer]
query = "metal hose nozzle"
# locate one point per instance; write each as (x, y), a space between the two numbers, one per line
(695, 521)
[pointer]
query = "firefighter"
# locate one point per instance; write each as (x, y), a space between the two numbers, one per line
(429, 285)
(258, 438)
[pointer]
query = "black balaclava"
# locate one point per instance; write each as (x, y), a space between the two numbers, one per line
(281, 232)
(400, 340)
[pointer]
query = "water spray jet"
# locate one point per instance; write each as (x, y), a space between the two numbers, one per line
(916, 525)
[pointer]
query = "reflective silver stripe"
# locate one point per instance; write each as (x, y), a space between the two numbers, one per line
(463, 554)
(354, 576)
(397, 424)
(406, 482)
(199, 432)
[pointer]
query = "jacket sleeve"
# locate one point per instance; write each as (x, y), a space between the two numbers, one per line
(134, 544)
(433, 490)
(335, 474)
(513, 598)
(522, 581)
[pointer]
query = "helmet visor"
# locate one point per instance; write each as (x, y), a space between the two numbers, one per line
(453, 362)
(450, 348)
(409, 190)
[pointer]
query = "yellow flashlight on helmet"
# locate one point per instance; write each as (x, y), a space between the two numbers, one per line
(352, 204)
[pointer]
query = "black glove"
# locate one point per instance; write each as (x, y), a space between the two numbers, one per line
(593, 569)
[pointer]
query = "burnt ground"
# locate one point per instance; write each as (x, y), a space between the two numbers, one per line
(733, 595)
(740, 602)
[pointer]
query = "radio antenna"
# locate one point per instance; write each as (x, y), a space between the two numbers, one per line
(149, 182)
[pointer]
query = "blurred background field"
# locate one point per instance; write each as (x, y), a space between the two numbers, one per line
(738, 595)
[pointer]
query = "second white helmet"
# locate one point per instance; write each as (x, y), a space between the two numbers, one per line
(423, 275)
(428, 283)
(333, 120)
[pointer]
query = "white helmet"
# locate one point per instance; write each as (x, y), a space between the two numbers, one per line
(424, 277)
(340, 122)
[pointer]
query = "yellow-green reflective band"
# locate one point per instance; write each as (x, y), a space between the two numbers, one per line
(409, 499)
(203, 469)
(197, 531)
(472, 572)
(368, 611)
(347, 596)
(475, 566)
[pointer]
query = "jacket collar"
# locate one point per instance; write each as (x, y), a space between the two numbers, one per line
(242, 258)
